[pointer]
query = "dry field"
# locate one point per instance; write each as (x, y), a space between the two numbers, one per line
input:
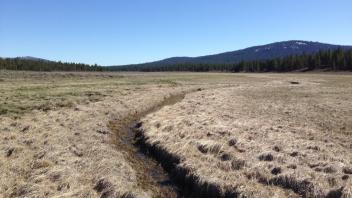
(55, 138)
(254, 135)
(276, 136)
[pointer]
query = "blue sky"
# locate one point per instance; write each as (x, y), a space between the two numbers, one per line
(113, 32)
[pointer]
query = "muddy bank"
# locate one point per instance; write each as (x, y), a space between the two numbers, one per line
(150, 174)
(179, 181)
(187, 183)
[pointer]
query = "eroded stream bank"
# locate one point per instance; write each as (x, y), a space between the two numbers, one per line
(157, 170)
(150, 174)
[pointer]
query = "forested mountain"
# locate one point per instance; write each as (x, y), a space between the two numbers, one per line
(38, 64)
(33, 58)
(339, 59)
(264, 52)
(276, 57)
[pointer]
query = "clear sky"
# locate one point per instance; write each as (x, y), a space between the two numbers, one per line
(113, 32)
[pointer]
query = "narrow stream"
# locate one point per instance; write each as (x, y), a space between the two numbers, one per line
(150, 174)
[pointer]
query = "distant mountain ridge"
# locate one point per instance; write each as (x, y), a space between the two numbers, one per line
(256, 53)
(33, 58)
(262, 52)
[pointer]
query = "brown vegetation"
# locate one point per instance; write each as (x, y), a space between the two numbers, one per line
(255, 135)
(263, 138)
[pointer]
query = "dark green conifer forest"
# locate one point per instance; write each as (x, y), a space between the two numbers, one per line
(40, 65)
(331, 60)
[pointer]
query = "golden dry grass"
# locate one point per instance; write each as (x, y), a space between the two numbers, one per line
(53, 149)
(56, 141)
(263, 138)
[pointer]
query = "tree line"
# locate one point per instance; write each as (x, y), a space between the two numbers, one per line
(42, 65)
(334, 60)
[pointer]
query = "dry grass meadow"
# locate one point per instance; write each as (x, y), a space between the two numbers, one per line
(245, 135)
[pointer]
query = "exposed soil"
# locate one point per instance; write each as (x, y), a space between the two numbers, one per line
(150, 174)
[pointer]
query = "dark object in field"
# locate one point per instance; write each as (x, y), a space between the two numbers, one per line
(105, 187)
(237, 164)
(63, 186)
(101, 185)
(225, 157)
(335, 193)
(347, 170)
(329, 169)
(345, 177)
(266, 157)
(316, 148)
(304, 188)
(294, 83)
(276, 170)
(25, 128)
(232, 142)
(102, 131)
(9, 152)
(202, 149)
(292, 166)
(294, 154)
(138, 125)
(277, 149)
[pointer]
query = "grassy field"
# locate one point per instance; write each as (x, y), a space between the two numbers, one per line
(277, 136)
(256, 135)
